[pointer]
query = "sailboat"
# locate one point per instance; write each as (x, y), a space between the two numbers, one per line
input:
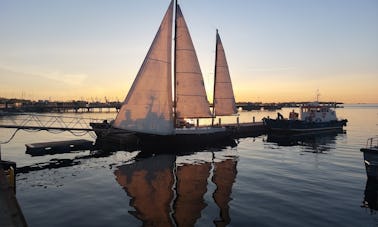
(150, 111)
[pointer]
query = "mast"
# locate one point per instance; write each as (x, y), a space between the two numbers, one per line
(174, 70)
(215, 77)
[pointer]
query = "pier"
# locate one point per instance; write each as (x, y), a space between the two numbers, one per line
(44, 106)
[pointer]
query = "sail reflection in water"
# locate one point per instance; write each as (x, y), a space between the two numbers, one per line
(169, 190)
(224, 176)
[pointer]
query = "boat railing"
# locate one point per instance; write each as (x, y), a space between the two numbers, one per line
(372, 142)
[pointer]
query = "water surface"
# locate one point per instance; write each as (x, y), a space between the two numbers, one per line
(310, 181)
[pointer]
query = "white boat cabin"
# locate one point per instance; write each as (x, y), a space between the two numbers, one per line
(314, 112)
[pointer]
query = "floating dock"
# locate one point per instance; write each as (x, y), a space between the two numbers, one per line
(58, 147)
(243, 130)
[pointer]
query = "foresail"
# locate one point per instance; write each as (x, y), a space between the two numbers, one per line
(148, 105)
(191, 99)
(224, 100)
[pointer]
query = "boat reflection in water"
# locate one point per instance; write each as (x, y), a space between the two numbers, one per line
(371, 195)
(314, 142)
(169, 190)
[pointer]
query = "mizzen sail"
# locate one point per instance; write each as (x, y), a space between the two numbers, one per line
(191, 99)
(224, 99)
(148, 105)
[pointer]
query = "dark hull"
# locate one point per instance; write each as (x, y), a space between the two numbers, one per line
(371, 195)
(109, 138)
(371, 162)
(296, 126)
(162, 143)
(185, 142)
(103, 129)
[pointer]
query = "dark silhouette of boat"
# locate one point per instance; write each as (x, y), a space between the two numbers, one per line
(371, 157)
(311, 117)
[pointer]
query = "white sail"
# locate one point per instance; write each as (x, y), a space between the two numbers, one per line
(148, 105)
(191, 99)
(224, 99)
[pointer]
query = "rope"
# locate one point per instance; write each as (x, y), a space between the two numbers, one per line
(5, 142)
(75, 133)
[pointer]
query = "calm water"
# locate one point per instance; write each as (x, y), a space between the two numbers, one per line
(316, 181)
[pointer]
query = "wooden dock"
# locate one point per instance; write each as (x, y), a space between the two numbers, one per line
(58, 147)
(252, 129)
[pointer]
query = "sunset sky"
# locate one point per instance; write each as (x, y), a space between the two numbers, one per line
(277, 50)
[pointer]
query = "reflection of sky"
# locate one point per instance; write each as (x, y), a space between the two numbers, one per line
(276, 50)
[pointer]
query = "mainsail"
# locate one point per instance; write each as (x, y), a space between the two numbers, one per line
(191, 99)
(148, 105)
(224, 100)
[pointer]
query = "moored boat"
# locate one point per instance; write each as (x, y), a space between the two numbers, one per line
(150, 112)
(311, 117)
(371, 157)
